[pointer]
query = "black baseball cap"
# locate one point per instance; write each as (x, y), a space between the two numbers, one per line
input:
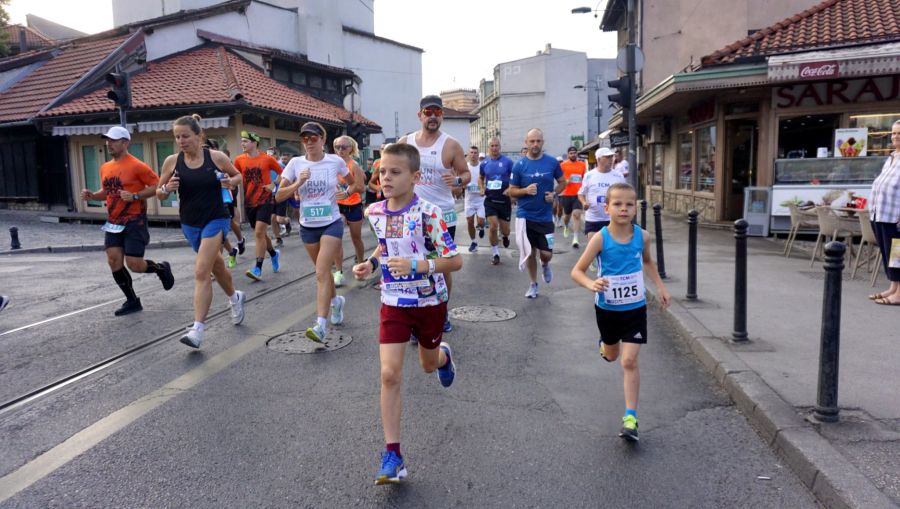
(571, 149)
(312, 128)
(431, 101)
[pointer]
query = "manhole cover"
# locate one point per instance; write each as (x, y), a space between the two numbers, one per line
(482, 314)
(297, 342)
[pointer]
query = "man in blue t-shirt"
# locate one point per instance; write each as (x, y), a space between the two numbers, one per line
(532, 183)
(494, 175)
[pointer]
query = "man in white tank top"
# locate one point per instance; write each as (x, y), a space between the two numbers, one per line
(443, 166)
(474, 203)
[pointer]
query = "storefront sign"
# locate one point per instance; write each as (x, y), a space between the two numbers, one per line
(851, 142)
(837, 92)
(819, 70)
(618, 139)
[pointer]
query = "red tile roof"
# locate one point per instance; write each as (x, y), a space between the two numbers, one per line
(33, 38)
(828, 24)
(27, 97)
(208, 76)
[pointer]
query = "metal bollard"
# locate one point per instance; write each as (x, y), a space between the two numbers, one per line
(643, 214)
(660, 258)
(830, 343)
(692, 256)
(14, 238)
(740, 281)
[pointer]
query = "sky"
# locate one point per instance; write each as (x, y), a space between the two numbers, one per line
(463, 39)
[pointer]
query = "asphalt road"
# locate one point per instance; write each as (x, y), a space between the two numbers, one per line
(531, 420)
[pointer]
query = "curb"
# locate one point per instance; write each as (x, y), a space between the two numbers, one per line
(162, 244)
(832, 479)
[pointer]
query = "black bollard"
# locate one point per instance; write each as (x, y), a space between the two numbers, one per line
(14, 238)
(692, 256)
(643, 214)
(740, 281)
(660, 258)
(830, 343)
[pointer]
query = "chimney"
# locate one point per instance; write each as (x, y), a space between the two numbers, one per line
(23, 41)
(547, 49)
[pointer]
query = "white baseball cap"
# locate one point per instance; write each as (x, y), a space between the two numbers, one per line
(117, 132)
(603, 152)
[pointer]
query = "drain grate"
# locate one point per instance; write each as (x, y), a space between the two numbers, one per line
(482, 314)
(297, 342)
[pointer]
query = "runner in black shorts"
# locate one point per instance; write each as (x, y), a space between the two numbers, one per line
(256, 169)
(494, 174)
(127, 183)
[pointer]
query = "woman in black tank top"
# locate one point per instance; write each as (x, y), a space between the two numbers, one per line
(199, 175)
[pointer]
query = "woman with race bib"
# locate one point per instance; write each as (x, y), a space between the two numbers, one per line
(315, 176)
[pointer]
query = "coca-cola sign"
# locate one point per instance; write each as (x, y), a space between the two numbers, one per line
(819, 70)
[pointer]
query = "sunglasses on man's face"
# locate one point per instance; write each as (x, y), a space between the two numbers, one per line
(432, 111)
(310, 138)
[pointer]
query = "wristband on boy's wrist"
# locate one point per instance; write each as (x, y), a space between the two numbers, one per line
(374, 262)
(430, 267)
(412, 267)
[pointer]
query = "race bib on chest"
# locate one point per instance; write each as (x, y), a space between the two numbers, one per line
(472, 188)
(113, 228)
(494, 185)
(624, 289)
(575, 179)
(317, 211)
(450, 217)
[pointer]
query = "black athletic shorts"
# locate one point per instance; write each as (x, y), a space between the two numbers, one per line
(540, 234)
(281, 209)
(594, 226)
(625, 326)
(133, 239)
(570, 203)
(262, 214)
(352, 213)
(230, 207)
(502, 209)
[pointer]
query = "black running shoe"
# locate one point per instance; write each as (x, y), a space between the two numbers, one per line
(165, 275)
(241, 246)
(4, 301)
(505, 242)
(130, 306)
(495, 260)
(287, 228)
(481, 233)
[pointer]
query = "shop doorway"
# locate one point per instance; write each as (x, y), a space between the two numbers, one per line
(741, 139)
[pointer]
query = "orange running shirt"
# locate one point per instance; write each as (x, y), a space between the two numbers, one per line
(354, 198)
(255, 171)
(572, 169)
(132, 175)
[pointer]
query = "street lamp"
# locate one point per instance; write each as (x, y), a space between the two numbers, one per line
(599, 110)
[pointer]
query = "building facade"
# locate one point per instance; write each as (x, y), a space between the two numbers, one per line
(461, 99)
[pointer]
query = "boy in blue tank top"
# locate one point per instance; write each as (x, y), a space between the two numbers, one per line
(622, 252)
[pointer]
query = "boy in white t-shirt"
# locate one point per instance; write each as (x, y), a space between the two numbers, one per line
(414, 252)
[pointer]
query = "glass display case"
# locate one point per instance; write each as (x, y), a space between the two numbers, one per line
(832, 181)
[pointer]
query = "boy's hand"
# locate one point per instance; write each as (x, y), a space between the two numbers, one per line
(399, 266)
(362, 270)
(664, 297)
(600, 284)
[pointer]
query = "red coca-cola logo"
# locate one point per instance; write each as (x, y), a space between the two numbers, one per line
(819, 70)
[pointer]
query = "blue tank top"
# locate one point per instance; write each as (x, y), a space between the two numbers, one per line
(619, 261)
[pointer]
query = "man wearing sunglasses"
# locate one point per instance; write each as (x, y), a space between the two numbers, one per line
(442, 164)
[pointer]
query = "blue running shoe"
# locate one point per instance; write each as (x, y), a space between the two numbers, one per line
(254, 273)
(392, 469)
(275, 258)
(448, 372)
(548, 274)
(448, 327)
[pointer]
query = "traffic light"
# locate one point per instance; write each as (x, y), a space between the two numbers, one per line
(119, 93)
(355, 131)
(623, 86)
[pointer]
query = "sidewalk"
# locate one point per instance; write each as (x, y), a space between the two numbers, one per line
(773, 378)
(39, 236)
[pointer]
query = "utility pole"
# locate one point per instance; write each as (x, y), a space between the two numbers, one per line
(630, 64)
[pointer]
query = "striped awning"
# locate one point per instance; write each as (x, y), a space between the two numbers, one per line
(87, 130)
(141, 127)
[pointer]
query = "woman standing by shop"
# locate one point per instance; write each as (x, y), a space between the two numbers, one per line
(349, 201)
(194, 172)
(315, 176)
(885, 214)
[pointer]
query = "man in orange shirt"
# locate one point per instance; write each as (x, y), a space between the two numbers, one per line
(127, 182)
(259, 203)
(573, 172)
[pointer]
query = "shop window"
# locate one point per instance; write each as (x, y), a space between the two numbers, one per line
(257, 120)
(706, 159)
(879, 125)
(685, 160)
(331, 84)
(315, 81)
(657, 155)
(291, 147)
(298, 78)
(92, 156)
(281, 74)
(137, 150)
(802, 136)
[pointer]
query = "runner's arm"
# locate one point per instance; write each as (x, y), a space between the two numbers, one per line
(579, 271)
(226, 166)
(168, 169)
(359, 180)
(650, 269)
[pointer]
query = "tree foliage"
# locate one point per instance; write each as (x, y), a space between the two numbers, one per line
(4, 20)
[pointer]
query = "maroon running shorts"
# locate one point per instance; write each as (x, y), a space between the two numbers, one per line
(425, 323)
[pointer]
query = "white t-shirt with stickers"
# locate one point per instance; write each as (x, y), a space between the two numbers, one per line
(318, 204)
(593, 188)
(414, 232)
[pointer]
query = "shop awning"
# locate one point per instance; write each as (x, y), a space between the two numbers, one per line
(870, 60)
(141, 127)
(166, 125)
(87, 130)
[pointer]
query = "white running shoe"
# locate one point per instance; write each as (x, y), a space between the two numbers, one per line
(337, 312)
(237, 309)
(338, 279)
(192, 338)
(532, 292)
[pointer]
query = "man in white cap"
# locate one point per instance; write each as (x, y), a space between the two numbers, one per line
(126, 185)
(592, 193)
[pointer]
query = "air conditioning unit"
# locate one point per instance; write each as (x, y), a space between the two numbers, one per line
(659, 132)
